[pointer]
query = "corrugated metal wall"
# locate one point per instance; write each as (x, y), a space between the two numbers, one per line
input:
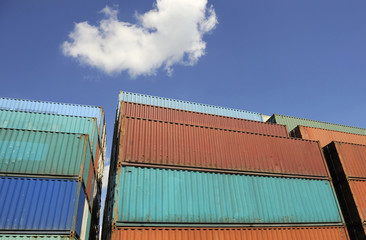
(175, 165)
(202, 119)
(325, 136)
(292, 122)
(45, 153)
(35, 237)
(250, 233)
(55, 108)
(48, 169)
(154, 195)
(185, 105)
(52, 123)
(157, 142)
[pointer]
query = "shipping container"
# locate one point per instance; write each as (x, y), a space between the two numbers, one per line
(43, 205)
(248, 233)
(165, 196)
(56, 108)
(156, 142)
(35, 237)
(292, 122)
(202, 119)
(185, 105)
(52, 123)
(44, 153)
(327, 136)
(346, 159)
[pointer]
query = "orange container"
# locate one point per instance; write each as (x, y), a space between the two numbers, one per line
(201, 119)
(326, 136)
(243, 233)
(155, 142)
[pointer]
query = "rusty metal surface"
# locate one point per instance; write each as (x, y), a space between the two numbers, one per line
(327, 136)
(157, 142)
(353, 159)
(358, 188)
(198, 118)
(249, 233)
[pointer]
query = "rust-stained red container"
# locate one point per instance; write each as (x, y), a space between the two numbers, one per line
(156, 142)
(346, 163)
(326, 136)
(202, 119)
(346, 158)
(243, 233)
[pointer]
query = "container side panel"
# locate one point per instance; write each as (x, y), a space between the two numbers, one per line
(154, 142)
(37, 204)
(53, 108)
(176, 196)
(292, 122)
(202, 119)
(52, 123)
(35, 237)
(358, 189)
(353, 159)
(185, 105)
(45, 153)
(250, 233)
(327, 136)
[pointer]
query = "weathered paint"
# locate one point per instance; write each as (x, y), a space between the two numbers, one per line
(292, 122)
(55, 108)
(35, 237)
(185, 105)
(157, 142)
(347, 158)
(153, 195)
(201, 119)
(242, 233)
(41, 204)
(44, 153)
(52, 123)
(325, 136)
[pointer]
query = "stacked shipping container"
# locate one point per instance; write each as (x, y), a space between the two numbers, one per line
(182, 170)
(345, 153)
(51, 160)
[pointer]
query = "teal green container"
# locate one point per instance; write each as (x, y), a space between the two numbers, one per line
(292, 122)
(168, 196)
(52, 123)
(44, 153)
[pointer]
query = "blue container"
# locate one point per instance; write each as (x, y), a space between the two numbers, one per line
(55, 108)
(43, 205)
(185, 105)
(163, 196)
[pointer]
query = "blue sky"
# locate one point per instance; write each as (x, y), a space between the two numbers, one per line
(298, 58)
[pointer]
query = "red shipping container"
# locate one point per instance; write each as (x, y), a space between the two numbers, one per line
(156, 142)
(327, 136)
(202, 119)
(243, 233)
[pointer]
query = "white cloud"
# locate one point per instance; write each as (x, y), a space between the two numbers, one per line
(105, 174)
(171, 33)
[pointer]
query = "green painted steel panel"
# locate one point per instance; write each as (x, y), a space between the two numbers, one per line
(293, 122)
(153, 195)
(44, 153)
(52, 123)
(35, 237)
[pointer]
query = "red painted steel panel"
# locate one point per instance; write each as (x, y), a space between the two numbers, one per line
(243, 233)
(90, 181)
(157, 142)
(327, 136)
(353, 159)
(202, 119)
(358, 189)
